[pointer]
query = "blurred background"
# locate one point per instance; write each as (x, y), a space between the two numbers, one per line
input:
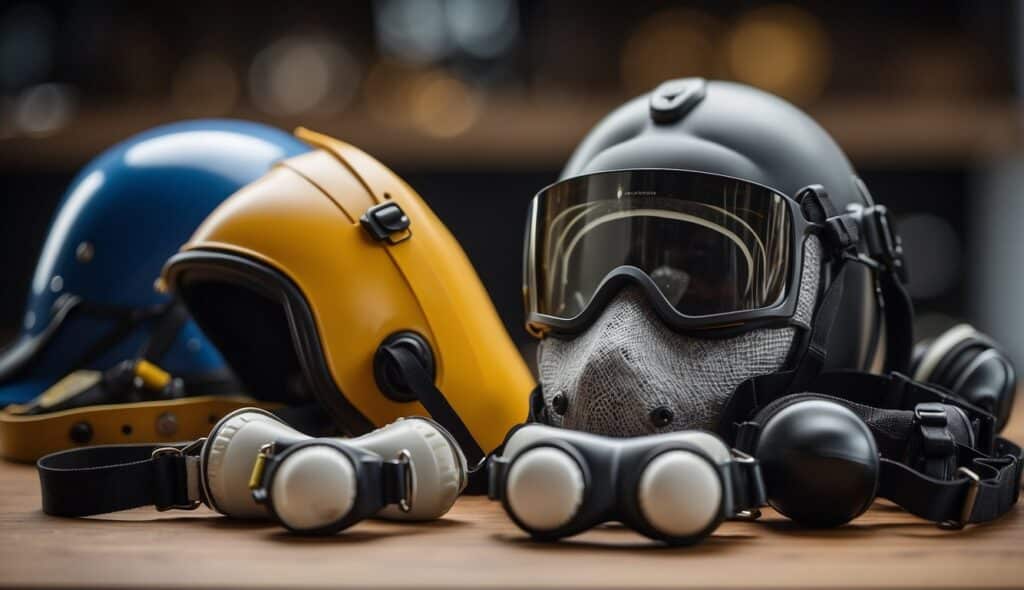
(478, 103)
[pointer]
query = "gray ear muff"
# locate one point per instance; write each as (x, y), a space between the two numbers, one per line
(437, 465)
(530, 434)
(229, 454)
(546, 487)
(680, 493)
(674, 487)
(314, 487)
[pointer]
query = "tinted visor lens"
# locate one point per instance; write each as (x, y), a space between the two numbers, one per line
(711, 245)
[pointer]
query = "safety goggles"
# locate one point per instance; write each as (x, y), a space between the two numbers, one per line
(709, 251)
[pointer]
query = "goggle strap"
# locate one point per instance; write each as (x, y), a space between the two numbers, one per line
(812, 361)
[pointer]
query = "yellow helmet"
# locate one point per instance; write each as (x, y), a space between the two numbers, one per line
(331, 279)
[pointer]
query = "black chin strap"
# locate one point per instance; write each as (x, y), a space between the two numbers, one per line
(419, 381)
(108, 478)
(985, 487)
(898, 311)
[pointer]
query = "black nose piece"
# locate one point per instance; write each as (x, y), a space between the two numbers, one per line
(386, 372)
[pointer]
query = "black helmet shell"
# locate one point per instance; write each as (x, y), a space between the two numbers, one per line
(739, 131)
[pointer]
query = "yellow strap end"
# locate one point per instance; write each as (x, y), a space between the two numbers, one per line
(153, 377)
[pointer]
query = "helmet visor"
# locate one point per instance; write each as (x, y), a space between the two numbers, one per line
(709, 245)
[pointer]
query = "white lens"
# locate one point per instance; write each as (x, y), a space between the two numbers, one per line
(313, 487)
(544, 488)
(680, 493)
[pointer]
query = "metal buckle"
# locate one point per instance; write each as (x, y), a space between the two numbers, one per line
(750, 514)
(188, 449)
(969, 501)
(740, 457)
(405, 461)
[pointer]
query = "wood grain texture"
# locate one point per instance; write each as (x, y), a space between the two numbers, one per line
(477, 546)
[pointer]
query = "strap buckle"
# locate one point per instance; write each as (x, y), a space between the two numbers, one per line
(936, 439)
(191, 448)
(755, 495)
(739, 456)
(404, 459)
(883, 243)
(930, 414)
(969, 500)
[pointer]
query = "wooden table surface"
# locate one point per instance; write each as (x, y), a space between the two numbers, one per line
(476, 545)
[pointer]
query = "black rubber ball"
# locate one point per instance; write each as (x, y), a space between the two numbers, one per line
(820, 463)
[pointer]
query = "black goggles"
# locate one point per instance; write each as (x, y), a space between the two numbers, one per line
(709, 251)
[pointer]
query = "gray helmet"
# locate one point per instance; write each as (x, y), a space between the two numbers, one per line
(619, 248)
(742, 132)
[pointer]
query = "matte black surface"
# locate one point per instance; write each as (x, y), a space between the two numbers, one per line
(819, 461)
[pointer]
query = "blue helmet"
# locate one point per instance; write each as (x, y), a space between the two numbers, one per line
(92, 301)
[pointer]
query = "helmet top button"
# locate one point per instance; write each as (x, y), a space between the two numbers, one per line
(673, 99)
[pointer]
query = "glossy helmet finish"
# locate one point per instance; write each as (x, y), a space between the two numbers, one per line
(92, 301)
(740, 132)
(330, 278)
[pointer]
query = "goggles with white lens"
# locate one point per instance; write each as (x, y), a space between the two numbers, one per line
(709, 251)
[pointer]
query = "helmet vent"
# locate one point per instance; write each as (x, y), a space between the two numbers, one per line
(673, 99)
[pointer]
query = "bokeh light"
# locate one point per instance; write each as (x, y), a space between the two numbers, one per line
(442, 105)
(303, 73)
(388, 90)
(673, 43)
(412, 30)
(44, 109)
(483, 28)
(783, 49)
(205, 85)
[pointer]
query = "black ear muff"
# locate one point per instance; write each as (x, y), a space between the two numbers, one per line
(819, 461)
(971, 365)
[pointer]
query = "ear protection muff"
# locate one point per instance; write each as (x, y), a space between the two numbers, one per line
(324, 485)
(673, 487)
(819, 460)
(971, 365)
(822, 457)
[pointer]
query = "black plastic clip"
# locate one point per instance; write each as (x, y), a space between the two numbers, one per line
(386, 221)
(497, 471)
(839, 233)
(882, 242)
(936, 440)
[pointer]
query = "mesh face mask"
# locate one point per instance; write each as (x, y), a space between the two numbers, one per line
(629, 374)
